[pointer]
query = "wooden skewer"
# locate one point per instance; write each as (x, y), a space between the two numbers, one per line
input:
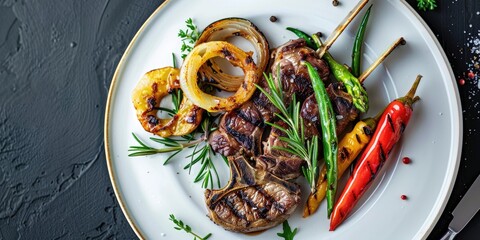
(366, 73)
(341, 27)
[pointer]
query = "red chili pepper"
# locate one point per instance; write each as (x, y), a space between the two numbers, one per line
(389, 130)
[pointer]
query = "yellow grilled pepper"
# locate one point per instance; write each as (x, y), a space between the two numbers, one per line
(348, 149)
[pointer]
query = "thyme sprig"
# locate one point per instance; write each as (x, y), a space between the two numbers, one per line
(189, 36)
(295, 132)
(182, 226)
(426, 4)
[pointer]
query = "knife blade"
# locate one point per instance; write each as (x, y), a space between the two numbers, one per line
(465, 210)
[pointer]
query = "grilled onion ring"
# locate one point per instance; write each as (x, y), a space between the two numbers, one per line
(146, 97)
(222, 30)
(237, 57)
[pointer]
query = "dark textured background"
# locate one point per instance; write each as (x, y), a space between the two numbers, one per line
(57, 59)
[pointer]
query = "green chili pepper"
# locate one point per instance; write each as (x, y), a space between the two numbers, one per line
(303, 35)
(329, 135)
(351, 83)
(357, 44)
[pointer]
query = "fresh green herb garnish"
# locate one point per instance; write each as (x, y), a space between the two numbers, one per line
(174, 60)
(296, 140)
(201, 153)
(177, 97)
(189, 36)
(181, 226)
(171, 145)
(204, 154)
(177, 94)
(426, 4)
(287, 233)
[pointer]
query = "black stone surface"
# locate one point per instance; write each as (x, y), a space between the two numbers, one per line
(57, 59)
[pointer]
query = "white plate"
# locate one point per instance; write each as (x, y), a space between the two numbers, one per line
(148, 191)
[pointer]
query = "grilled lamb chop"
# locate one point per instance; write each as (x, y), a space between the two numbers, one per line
(253, 200)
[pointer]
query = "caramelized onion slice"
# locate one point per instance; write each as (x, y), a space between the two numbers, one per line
(222, 30)
(146, 98)
(237, 57)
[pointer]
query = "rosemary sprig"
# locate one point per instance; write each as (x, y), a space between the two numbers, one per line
(201, 153)
(145, 150)
(204, 156)
(295, 139)
(287, 233)
(182, 226)
(189, 36)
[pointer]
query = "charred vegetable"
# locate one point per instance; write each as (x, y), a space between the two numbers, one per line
(146, 98)
(390, 128)
(222, 30)
(349, 148)
(199, 56)
(352, 84)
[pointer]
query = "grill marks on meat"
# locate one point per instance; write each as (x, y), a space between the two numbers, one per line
(285, 167)
(293, 75)
(242, 128)
(253, 200)
(221, 142)
(273, 141)
(342, 104)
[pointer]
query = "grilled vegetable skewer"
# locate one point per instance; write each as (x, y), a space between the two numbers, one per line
(390, 128)
(315, 199)
(368, 125)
